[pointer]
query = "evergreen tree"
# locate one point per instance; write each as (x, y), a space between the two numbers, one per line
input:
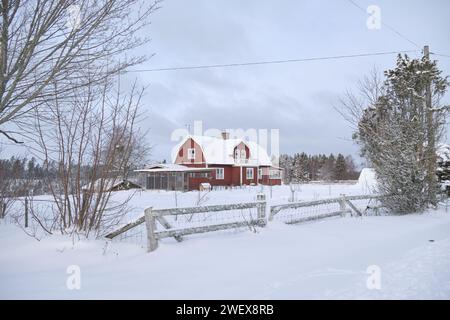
(340, 168)
(352, 172)
(286, 163)
(393, 133)
(300, 168)
(327, 169)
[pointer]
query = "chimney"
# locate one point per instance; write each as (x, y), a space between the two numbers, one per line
(225, 135)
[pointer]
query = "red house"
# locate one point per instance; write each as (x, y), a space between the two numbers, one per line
(200, 160)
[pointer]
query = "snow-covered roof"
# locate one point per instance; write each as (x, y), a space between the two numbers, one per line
(367, 180)
(108, 184)
(443, 153)
(221, 151)
(169, 167)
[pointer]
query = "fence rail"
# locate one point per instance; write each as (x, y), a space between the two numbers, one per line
(343, 201)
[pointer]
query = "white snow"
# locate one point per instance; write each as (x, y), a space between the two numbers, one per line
(443, 153)
(325, 259)
(367, 181)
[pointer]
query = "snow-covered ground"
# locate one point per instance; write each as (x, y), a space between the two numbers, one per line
(325, 259)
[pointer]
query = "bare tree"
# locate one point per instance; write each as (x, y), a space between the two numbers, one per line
(132, 149)
(73, 43)
(353, 104)
(77, 134)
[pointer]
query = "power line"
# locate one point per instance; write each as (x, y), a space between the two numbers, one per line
(386, 25)
(441, 55)
(272, 61)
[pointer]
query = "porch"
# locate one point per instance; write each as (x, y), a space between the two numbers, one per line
(173, 177)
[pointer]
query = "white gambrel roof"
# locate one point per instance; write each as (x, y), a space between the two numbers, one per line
(220, 151)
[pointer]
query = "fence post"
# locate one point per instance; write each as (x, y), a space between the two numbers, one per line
(342, 204)
(150, 223)
(2, 210)
(26, 212)
(261, 198)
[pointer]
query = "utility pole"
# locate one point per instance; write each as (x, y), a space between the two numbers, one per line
(431, 136)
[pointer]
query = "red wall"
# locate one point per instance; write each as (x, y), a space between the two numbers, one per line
(228, 175)
(182, 155)
(231, 177)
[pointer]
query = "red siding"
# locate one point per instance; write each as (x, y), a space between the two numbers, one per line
(227, 175)
(182, 156)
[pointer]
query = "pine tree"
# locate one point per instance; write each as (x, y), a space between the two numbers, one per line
(286, 163)
(393, 133)
(340, 168)
(352, 172)
(327, 168)
(443, 167)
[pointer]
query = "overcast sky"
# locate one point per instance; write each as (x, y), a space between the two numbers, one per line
(296, 98)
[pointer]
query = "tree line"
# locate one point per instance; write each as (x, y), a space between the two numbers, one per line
(25, 168)
(302, 167)
(22, 176)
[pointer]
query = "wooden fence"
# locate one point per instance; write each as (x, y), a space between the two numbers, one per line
(152, 217)
(345, 205)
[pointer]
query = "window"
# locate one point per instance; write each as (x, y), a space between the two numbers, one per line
(243, 154)
(220, 173)
(275, 174)
(236, 154)
(260, 173)
(249, 173)
(191, 153)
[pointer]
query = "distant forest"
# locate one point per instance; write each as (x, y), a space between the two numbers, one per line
(24, 168)
(28, 176)
(302, 167)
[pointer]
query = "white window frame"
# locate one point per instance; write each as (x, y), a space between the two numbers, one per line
(220, 176)
(243, 154)
(191, 153)
(247, 176)
(274, 174)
